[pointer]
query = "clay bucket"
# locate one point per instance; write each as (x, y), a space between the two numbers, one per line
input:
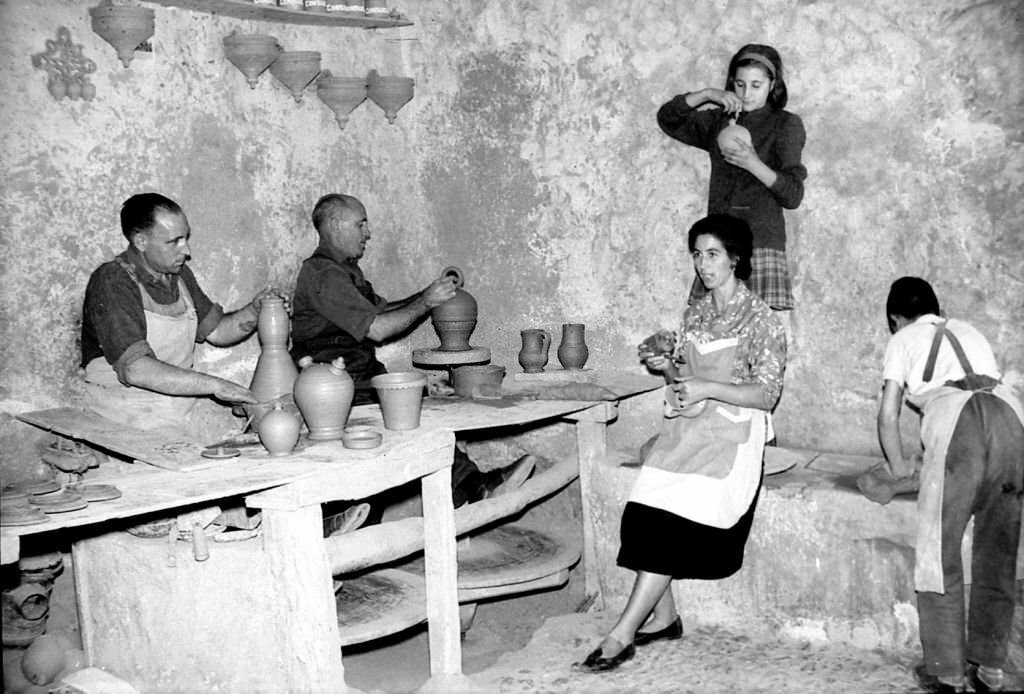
(341, 94)
(390, 93)
(251, 53)
(296, 70)
(478, 381)
(401, 397)
(123, 27)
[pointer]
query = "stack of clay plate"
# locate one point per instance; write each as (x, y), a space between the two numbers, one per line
(16, 510)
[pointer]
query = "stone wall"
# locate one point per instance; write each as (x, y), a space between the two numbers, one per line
(530, 158)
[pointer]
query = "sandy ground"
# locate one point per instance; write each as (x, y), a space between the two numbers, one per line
(503, 655)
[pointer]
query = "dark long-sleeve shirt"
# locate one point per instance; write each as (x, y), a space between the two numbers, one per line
(778, 137)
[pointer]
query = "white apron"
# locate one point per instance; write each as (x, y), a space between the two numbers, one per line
(171, 332)
(941, 409)
(705, 467)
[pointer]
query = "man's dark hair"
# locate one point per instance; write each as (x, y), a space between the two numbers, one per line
(911, 298)
(138, 213)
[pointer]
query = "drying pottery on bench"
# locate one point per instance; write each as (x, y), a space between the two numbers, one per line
(324, 395)
(573, 351)
(275, 372)
(533, 357)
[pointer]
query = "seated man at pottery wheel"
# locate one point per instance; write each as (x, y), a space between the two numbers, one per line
(143, 314)
(337, 313)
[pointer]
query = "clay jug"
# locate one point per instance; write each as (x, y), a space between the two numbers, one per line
(732, 131)
(533, 357)
(455, 319)
(573, 351)
(275, 371)
(323, 393)
(279, 431)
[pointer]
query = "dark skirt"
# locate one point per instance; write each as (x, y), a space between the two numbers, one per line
(695, 551)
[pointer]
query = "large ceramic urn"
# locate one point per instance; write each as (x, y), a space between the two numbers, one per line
(275, 372)
(455, 319)
(323, 393)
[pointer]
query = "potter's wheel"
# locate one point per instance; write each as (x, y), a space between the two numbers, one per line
(440, 357)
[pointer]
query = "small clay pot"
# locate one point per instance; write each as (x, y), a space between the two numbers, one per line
(401, 397)
(279, 431)
(478, 381)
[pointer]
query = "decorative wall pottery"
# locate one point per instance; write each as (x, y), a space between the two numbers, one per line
(279, 431)
(401, 397)
(251, 53)
(478, 380)
(390, 93)
(341, 94)
(324, 394)
(296, 70)
(455, 319)
(731, 132)
(275, 372)
(573, 351)
(122, 26)
(533, 356)
(66, 68)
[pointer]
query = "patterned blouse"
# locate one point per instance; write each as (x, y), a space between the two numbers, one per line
(761, 352)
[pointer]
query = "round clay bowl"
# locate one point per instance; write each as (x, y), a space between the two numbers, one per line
(361, 437)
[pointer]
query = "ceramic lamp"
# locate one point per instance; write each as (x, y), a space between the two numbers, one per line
(122, 26)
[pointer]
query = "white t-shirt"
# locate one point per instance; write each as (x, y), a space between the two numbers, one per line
(907, 353)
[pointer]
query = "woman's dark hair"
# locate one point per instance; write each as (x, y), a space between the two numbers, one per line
(138, 213)
(911, 298)
(757, 55)
(734, 235)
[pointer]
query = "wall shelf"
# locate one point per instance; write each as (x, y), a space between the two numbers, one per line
(245, 9)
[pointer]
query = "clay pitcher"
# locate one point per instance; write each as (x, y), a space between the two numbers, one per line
(533, 357)
(455, 319)
(573, 351)
(731, 132)
(279, 431)
(323, 393)
(275, 371)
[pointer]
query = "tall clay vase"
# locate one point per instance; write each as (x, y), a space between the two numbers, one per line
(533, 356)
(323, 393)
(279, 431)
(401, 398)
(122, 26)
(341, 94)
(390, 93)
(251, 53)
(573, 351)
(455, 319)
(296, 70)
(275, 372)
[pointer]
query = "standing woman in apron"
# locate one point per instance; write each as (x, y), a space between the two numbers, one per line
(701, 477)
(751, 178)
(972, 428)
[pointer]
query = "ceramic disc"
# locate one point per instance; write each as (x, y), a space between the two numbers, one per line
(98, 492)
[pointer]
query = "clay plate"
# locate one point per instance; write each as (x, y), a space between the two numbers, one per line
(220, 452)
(98, 492)
(359, 437)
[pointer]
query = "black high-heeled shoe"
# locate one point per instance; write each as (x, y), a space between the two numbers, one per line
(596, 662)
(670, 633)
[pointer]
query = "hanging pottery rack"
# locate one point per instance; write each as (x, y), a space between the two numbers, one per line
(246, 9)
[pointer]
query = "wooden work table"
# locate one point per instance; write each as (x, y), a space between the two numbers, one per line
(263, 611)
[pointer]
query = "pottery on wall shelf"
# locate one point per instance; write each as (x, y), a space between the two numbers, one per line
(251, 53)
(455, 319)
(390, 93)
(296, 70)
(341, 94)
(123, 26)
(533, 356)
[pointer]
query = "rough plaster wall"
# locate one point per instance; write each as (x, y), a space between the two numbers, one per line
(530, 158)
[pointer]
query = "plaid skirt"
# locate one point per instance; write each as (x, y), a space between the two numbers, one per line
(769, 279)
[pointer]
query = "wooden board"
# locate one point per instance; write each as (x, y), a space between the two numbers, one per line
(378, 604)
(246, 9)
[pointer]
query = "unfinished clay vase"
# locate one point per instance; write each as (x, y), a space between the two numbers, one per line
(296, 70)
(323, 393)
(251, 53)
(122, 26)
(279, 431)
(275, 372)
(573, 351)
(455, 319)
(731, 132)
(341, 94)
(390, 93)
(533, 357)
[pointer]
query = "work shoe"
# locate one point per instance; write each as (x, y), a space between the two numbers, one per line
(879, 485)
(348, 520)
(513, 477)
(932, 684)
(991, 680)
